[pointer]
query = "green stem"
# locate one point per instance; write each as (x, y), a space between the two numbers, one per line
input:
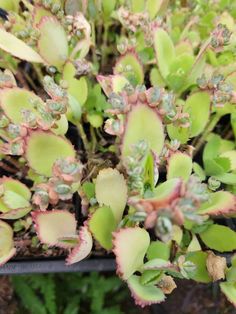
(211, 125)
(83, 137)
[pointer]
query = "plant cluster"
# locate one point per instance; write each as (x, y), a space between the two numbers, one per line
(148, 89)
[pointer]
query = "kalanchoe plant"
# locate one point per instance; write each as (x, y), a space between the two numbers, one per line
(117, 134)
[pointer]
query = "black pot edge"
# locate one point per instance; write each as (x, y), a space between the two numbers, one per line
(57, 266)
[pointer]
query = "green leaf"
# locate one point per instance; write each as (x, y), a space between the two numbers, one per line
(144, 295)
(198, 107)
(158, 249)
(74, 111)
(229, 289)
(137, 5)
(178, 133)
(89, 189)
(108, 6)
(9, 5)
(156, 78)
(221, 202)
(153, 7)
(130, 247)
(227, 178)
(179, 166)
(52, 43)
(150, 277)
(179, 69)
(130, 67)
(7, 249)
(14, 200)
(111, 190)
(158, 264)
(201, 273)
(199, 171)
(18, 48)
(165, 51)
(219, 238)
(153, 132)
(231, 155)
(233, 123)
(44, 148)
(102, 224)
(78, 88)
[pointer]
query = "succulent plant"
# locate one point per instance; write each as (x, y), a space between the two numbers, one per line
(131, 106)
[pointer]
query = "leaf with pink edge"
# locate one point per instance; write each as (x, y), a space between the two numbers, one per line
(144, 295)
(52, 43)
(53, 225)
(179, 166)
(83, 249)
(130, 67)
(111, 190)
(152, 133)
(14, 202)
(165, 51)
(130, 247)
(7, 249)
(219, 203)
(18, 48)
(44, 148)
(164, 193)
(229, 290)
(102, 224)
(112, 83)
(38, 13)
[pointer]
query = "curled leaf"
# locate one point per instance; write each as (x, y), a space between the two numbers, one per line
(144, 295)
(130, 246)
(50, 226)
(216, 266)
(219, 203)
(83, 249)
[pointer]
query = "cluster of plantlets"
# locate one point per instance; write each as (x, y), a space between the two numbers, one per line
(156, 170)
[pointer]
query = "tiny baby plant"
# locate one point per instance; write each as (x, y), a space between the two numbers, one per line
(117, 136)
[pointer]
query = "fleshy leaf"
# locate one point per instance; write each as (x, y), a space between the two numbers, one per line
(165, 51)
(102, 224)
(15, 213)
(112, 83)
(144, 295)
(231, 155)
(76, 87)
(158, 249)
(44, 148)
(83, 249)
(52, 43)
(219, 238)
(38, 13)
(219, 203)
(194, 245)
(158, 264)
(7, 249)
(53, 225)
(10, 5)
(229, 290)
(179, 166)
(111, 190)
(178, 133)
(164, 193)
(198, 107)
(14, 100)
(130, 67)
(14, 200)
(130, 246)
(199, 259)
(152, 133)
(18, 48)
